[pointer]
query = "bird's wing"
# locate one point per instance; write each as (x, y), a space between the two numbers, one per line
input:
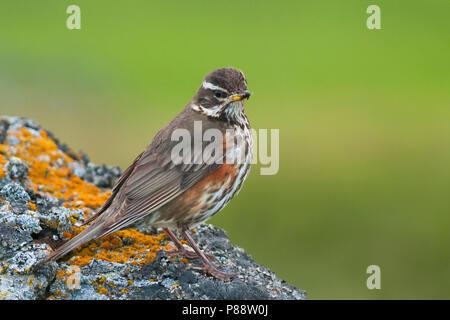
(156, 180)
(119, 183)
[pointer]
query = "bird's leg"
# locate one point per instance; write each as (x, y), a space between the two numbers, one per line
(207, 265)
(181, 249)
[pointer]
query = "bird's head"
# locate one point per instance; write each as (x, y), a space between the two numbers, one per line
(222, 95)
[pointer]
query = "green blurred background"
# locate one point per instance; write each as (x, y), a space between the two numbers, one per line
(364, 119)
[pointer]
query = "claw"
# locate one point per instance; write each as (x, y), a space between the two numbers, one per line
(197, 253)
(224, 276)
(188, 254)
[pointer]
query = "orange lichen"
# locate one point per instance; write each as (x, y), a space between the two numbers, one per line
(49, 171)
(50, 174)
(58, 293)
(32, 206)
(102, 290)
(3, 160)
(60, 274)
(139, 250)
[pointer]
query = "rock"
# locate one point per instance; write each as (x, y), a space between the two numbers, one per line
(15, 196)
(16, 168)
(4, 125)
(47, 191)
(101, 176)
(77, 169)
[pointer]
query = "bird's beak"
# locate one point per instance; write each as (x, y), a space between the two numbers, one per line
(241, 95)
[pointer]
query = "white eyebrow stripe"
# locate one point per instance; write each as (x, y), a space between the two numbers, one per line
(212, 112)
(209, 85)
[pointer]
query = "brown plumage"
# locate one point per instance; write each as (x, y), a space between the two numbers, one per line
(160, 192)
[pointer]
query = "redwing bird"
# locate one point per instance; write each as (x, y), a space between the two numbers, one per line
(161, 192)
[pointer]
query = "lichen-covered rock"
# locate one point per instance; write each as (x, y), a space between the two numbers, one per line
(15, 196)
(47, 191)
(16, 168)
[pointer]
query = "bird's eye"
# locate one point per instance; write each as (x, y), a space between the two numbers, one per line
(220, 94)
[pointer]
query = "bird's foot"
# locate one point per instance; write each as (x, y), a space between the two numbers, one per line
(209, 268)
(188, 254)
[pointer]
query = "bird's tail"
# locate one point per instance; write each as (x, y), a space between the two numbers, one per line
(90, 233)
